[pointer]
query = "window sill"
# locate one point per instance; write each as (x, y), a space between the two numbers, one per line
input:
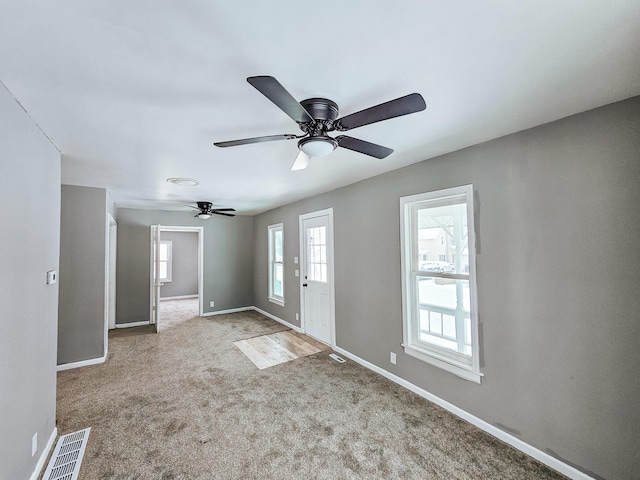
(277, 301)
(461, 370)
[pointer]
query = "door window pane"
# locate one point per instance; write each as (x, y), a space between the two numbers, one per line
(317, 254)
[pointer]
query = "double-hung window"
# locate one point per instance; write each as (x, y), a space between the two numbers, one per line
(276, 265)
(440, 323)
(165, 260)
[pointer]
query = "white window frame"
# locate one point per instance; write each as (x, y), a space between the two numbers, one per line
(453, 362)
(169, 261)
(273, 298)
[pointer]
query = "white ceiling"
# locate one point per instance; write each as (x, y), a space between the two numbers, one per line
(132, 93)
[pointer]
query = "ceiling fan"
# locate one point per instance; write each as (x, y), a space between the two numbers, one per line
(316, 117)
(205, 210)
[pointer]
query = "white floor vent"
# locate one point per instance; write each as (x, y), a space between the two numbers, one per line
(337, 358)
(67, 456)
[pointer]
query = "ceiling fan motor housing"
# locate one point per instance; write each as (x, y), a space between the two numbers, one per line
(323, 111)
(204, 206)
(321, 108)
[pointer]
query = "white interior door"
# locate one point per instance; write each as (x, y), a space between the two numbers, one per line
(316, 231)
(155, 276)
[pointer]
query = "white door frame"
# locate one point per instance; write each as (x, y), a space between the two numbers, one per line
(112, 239)
(174, 228)
(154, 300)
(330, 269)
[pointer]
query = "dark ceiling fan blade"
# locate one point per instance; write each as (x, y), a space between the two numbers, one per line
(223, 210)
(218, 212)
(368, 148)
(394, 108)
(246, 141)
(274, 91)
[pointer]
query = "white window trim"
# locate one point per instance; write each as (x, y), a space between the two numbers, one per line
(169, 261)
(273, 298)
(469, 371)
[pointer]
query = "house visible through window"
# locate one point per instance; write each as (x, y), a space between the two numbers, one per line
(440, 323)
(276, 264)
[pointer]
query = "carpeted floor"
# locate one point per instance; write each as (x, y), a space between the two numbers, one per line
(187, 404)
(177, 311)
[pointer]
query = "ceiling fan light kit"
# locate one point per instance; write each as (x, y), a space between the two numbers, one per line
(317, 147)
(316, 117)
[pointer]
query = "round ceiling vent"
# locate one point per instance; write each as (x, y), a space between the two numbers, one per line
(185, 182)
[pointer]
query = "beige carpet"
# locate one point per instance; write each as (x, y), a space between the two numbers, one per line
(173, 312)
(187, 404)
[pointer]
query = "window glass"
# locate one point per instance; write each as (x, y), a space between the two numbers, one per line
(439, 317)
(317, 254)
(276, 264)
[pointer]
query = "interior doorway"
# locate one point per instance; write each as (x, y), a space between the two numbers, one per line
(176, 273)
(317, 282)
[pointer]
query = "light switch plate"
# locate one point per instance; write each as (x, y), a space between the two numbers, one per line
(52, 277)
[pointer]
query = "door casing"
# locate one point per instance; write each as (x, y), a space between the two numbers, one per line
(154, 267)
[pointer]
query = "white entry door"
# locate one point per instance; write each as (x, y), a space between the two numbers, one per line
(316, 247)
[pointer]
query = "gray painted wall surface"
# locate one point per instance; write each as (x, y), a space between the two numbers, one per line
(228, 260)
(29, 242)
(82, 274)
(558, 275)
(184, 277)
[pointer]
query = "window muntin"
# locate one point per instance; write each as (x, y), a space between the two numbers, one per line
(276, 264)
(440, 322)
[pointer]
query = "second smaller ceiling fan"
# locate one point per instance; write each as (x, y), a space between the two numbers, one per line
(205, 210)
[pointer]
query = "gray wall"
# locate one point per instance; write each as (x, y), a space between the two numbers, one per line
(83, 251)
(558, 275)
(184, 277)
(29, 242)
(228, 260)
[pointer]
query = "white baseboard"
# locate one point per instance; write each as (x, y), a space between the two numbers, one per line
(515, 442)
(44, 454)
(132, 324)
(179, 297)
(83, 363)
(224, 312)
(256, 309)
(279, 320)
